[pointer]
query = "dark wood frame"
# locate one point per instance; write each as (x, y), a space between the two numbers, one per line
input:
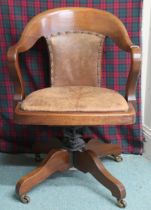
(58, 160)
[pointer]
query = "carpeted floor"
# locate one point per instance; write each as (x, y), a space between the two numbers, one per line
(74, 190)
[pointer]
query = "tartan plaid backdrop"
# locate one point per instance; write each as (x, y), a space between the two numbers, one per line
(14, 14)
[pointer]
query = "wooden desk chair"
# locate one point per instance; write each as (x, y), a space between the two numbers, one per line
(75, 98)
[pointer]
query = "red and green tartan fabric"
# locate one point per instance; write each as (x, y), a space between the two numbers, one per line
(14, 14)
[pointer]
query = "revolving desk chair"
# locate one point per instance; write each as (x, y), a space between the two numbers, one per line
(75, 97)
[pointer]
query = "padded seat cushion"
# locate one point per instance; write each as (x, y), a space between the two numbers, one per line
(75, 99)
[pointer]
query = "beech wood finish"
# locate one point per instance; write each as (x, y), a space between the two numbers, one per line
(102, 150)
(74, 118)
(68, 19)
(56, 160)
(85, 161)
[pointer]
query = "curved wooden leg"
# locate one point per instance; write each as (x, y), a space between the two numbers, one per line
(102, 150)
(87, 161)
(56, 160)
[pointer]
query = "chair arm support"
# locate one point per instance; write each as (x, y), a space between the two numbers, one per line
(15, 73)
(133, 74)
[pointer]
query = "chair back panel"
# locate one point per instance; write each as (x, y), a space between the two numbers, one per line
(75, 58)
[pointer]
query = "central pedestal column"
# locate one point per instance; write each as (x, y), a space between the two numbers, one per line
(72, 138)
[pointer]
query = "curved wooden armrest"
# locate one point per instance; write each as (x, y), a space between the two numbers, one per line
(15, 73)
(133, 74)
(24, 44)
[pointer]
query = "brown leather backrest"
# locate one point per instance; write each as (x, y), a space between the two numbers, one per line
(75, 58)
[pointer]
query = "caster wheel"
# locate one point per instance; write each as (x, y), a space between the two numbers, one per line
(38, 158)
(25, 199)
(118, 158)
(121, 203)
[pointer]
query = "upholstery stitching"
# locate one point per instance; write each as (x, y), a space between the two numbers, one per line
(52, 72)
(99, 59)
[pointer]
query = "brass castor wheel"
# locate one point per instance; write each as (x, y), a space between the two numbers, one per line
(121, 203)
(38, 158)
(25, 199)
(117, 158)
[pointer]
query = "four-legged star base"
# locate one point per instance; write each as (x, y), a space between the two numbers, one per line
(86, 159)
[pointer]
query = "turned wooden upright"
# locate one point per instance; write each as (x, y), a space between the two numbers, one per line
(87, 157)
